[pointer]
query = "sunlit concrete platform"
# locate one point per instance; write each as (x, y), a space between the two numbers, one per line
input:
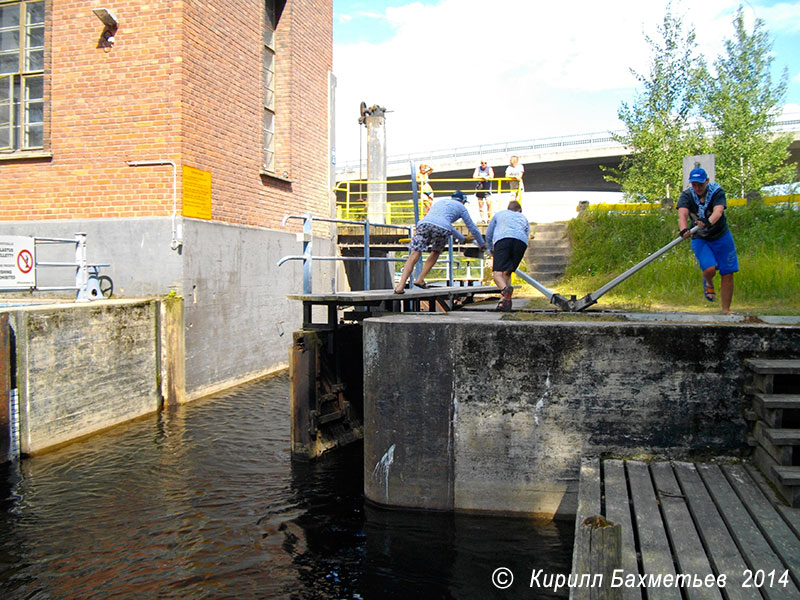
(710, 522)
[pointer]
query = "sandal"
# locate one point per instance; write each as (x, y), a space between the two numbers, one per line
(422, 285)
(708, 291)
(402, 291)
(504, 305)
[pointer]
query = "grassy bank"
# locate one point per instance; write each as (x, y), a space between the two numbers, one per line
(604, 245)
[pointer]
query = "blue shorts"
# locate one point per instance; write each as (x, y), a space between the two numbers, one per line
(719, 253)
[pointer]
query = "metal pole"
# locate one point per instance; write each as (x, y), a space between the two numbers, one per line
(450, 262)
(308, 228)
(366, 255)
(414, 192)
(592, 298)
(81, 270)
(415, 201)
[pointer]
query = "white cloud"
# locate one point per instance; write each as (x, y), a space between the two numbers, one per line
(463, 73)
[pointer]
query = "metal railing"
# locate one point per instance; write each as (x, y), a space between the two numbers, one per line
(787, 123)
(308, 251)
(352, 197)
(89, 284)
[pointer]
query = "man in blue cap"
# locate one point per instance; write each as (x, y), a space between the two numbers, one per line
(704, 203)
(434, 231)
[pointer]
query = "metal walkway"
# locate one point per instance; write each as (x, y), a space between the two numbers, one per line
(373, 303)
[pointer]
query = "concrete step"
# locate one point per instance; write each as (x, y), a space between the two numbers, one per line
(546, 276)
(555, 267)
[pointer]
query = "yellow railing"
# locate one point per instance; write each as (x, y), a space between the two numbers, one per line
(352, 196)
(648, 206)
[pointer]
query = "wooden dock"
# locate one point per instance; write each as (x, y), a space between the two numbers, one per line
(682, 524)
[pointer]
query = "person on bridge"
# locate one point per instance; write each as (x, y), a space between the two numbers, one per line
(515, 171)
(507, 237)
(485, 173)
(713, 245)
(433, 231)
(425, 189)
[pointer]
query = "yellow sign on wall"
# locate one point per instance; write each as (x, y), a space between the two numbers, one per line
(196, 193)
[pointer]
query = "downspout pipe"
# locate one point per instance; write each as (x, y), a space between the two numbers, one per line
(177, 233)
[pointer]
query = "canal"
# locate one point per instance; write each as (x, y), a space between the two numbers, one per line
(204, 501)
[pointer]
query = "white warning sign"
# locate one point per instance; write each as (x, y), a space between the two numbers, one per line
(17, 262)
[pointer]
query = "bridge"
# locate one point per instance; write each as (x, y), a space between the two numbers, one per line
(564, 163)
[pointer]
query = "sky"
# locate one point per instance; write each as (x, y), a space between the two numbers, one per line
(462, 72)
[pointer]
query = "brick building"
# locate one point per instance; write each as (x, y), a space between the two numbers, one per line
(177, 139)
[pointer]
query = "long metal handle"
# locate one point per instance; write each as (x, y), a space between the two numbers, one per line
(592, 298)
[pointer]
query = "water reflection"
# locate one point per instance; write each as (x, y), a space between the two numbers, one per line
(204, 502)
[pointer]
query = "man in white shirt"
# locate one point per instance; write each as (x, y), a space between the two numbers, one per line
(515, 171)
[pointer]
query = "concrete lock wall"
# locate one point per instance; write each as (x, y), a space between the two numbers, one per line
(85, 367)
(238, 322)
(478, 414)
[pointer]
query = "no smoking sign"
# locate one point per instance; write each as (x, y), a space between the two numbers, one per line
(17, 262)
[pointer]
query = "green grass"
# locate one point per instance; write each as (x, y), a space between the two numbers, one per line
(605, 245)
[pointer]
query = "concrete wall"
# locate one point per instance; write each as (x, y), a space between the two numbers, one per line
(238, 322)
(84, 367)
(467, 412)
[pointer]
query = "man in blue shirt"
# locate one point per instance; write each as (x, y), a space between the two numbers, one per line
(507, 236)
(713, 245)
(434, 231)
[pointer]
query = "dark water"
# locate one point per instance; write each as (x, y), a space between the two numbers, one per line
(204, 502)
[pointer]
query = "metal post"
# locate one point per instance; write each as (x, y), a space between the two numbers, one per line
(81, 269)
(415, 196)
(450, 262)
(414, 192)
(308, 228)
(366, 255)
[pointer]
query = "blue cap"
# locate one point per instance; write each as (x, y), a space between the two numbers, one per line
(460, 196)
(697, 176)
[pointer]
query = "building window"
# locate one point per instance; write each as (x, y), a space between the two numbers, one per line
(270, 21)
(22, 75)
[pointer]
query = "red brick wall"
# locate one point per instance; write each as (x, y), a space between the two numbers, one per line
(182, 83)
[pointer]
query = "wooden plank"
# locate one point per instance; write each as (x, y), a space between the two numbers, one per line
(751, 543)
(618, 510)
(772, 401)
(604, 541)
(781, 453)
(689, 551)
(779, 536)
(783, 437)
(722, 552)
(653, 544)
(787, 474)
(790, 515)
(588, 505)
(773, 367)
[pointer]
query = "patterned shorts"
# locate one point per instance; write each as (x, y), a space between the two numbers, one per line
(431, 235)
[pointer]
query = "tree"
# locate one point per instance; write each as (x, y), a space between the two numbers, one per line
(742, 104)
(660, 128)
